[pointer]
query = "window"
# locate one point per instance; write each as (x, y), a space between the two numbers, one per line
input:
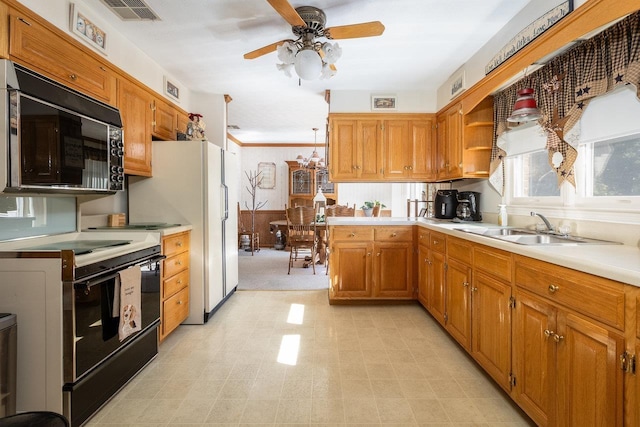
(607, 170)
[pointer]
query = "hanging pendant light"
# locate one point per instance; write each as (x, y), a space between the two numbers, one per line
(525, 109)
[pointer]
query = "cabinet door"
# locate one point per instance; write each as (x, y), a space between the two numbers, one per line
(423, 274)
(135, 107)
(589, 379)
(422, 149)
(450, 143)
(182, 121)
(491, 326)
(351, 269)
(397, 149)
(369, 150)
(393, 271)
(534, 355)
(164, 121)
(458, 302)
(47, 53)
(343, 146)
(436, 291)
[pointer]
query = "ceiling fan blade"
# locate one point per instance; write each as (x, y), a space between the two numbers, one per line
(284, 8)
(366, 29)
(263, 50)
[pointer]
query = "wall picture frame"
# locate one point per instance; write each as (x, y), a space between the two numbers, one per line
(86, 29)
(384, 102)
(267, 172)
(171, 89)
(458, 84)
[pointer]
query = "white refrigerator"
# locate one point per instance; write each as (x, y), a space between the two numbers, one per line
(196, 183)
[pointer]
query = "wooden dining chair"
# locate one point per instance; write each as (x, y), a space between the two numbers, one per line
(302, 235)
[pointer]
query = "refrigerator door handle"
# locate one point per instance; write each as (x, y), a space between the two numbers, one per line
(225, 203)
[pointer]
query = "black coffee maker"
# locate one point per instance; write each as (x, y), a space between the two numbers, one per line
(468, 208)
(445, 204)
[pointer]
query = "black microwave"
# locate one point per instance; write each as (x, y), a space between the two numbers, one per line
(56, 140)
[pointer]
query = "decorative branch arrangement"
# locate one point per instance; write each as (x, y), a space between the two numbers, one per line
(255, 179)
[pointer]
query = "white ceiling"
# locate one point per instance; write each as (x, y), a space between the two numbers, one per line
(201, 43)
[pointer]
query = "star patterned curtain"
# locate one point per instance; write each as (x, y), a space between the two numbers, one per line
(565, 86)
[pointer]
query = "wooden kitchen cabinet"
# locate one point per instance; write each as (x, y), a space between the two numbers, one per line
(355, 148)
(491, 308)
(370, 263)
(304, 183)
(408, 149)
(163, 121)
(566, 353)
(182, 121)
(393, 263)
(34, 44)
(449, 143)
(174, 295)
(458, 291)
(134, 103)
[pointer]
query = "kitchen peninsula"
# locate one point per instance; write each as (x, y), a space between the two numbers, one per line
(566, 313)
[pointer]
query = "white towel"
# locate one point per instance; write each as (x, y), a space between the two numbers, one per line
(127, 299)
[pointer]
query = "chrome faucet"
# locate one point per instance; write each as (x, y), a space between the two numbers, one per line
(545, 220)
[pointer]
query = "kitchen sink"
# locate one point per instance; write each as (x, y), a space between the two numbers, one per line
(523, 236)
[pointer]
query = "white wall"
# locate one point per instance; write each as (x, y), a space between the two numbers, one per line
(358, 101)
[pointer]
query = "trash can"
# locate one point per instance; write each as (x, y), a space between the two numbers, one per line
(8, 363)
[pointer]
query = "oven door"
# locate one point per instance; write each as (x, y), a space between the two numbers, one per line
(91, 331)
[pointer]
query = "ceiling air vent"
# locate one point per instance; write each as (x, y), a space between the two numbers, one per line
(131, 10)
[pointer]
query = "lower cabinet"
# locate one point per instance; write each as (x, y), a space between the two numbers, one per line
(175, 282)
(371, 263)
(458, 291)
(565, 363)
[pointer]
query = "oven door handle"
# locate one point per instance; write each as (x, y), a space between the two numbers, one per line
(87, 284)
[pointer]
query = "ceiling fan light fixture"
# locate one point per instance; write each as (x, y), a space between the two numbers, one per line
(308, 64)
(287, 52)
(327, 72)
(285, 68)
(332, 52)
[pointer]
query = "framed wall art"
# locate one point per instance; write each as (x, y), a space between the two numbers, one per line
(457, 84)
(86, 29)
(267, 172)
(171, 89)
(383, 102)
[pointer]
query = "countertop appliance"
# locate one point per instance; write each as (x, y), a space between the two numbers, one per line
(468, 208)
(57, 140)
(445, 204)
(71, 360)
(195, 182)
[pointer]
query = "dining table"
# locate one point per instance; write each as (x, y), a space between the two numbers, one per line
(321, 230)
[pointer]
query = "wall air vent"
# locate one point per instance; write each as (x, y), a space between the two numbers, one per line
(131, 10)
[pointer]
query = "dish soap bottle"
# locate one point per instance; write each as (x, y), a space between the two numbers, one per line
(502, 215)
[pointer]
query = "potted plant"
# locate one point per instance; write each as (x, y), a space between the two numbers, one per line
(372, 208)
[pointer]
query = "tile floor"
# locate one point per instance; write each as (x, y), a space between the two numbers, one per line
(288, 358)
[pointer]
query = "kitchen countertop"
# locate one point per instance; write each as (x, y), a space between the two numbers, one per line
(162, 231)
(615, 262)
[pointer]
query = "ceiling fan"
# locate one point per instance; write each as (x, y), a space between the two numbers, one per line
(311, 58)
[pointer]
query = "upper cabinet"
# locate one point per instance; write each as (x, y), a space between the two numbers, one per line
(36, 46)
(464, 141)
(381, 147)
(134, 103)
(164, 123)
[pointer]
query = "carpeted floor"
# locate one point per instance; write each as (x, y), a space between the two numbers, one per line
(266, 270)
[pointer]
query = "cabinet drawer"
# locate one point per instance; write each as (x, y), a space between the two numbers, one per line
(598, 298)
(393, 234)
(175, 310)
(175, 244)
(174, 283)
(423, 237)
(495, 262)
(175, 264)
(437, 242)
(459, 249)
(351, 233)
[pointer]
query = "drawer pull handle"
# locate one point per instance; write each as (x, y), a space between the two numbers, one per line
(179, 244)
(436, 242)
(352, 235)
(548, 333)
(178, 262)
(378, 254)
(554, 288)
(558, 338)
(180, 302)
(73, 77)
(394, 234)
(368, 253)
(179, 282)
